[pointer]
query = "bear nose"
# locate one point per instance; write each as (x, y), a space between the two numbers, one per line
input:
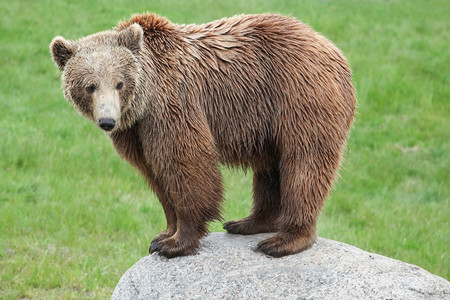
(106, 124)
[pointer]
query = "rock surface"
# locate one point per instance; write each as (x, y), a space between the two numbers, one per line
(227, 267)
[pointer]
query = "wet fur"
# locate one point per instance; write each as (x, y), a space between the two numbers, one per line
(264, 92)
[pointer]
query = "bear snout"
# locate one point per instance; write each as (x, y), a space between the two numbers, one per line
(107, 124)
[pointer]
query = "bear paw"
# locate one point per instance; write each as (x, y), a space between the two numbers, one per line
(174, 246)
(249, 226)
(283, 244)
(156, 245)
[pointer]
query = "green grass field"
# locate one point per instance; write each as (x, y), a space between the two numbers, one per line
(74, 217)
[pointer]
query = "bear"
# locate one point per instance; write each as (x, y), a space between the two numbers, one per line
(262, 92)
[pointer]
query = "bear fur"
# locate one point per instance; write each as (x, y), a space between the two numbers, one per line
(264, 92)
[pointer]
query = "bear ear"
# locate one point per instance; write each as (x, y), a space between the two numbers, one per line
(132, 37)
(62, 50)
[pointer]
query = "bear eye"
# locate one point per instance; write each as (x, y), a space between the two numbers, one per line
(119, 86)
(90, 89)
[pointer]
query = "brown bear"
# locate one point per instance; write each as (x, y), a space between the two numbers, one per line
(264, 92)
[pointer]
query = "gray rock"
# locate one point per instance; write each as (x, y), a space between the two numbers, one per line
(227, 267)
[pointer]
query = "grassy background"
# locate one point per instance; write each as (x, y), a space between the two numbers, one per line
(74, 217)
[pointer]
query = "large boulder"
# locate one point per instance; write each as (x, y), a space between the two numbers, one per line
(227, 267)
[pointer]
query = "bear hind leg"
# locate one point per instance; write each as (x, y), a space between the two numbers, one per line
(266, 205)
(305, 181)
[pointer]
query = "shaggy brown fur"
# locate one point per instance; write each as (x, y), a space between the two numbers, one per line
(260, 91)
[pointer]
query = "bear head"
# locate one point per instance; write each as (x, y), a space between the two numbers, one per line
(100, 73)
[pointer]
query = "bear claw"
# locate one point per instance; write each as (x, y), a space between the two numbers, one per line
(155, 246)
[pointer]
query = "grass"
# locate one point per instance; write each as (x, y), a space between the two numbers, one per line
(74, 217)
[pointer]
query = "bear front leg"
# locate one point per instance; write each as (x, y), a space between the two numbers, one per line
(266, 205)
(169, 211)
(196, 193)
(178, 145)
(171, 220)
